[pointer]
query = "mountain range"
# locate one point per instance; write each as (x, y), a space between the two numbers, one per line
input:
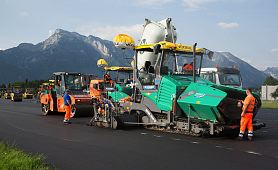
(62, 51)
(72, 52)
(272, 71)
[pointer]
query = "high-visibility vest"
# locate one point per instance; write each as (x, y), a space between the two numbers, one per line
(250, 101)
(188, 67)
(107, 77)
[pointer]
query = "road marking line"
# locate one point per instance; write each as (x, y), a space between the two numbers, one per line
(144, 133)
(70, 140)
(157, 136)
(194, 142)
(251, 152)
(219, 146)
(229, 149)
(177, 139)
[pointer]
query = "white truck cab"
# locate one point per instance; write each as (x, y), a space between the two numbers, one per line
(223, 76)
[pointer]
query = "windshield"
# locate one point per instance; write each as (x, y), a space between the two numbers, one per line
(230, 79)
(17, 89)
(104, 85)
(123, 77)
(178, 63)
(74, 82)
(208, 76)
(29, 90)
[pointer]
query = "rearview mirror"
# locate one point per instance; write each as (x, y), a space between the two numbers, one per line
(209, 54)
(156, 48)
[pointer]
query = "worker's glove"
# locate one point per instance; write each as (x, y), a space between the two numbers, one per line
(239, 104)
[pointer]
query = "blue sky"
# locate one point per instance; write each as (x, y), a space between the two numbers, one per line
(246, 28)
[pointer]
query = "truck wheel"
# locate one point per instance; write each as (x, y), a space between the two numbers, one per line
(45, 109)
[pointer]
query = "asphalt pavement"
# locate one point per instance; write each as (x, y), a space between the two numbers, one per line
(78, 146)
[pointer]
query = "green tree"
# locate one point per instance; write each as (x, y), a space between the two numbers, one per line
(275, 94)
(3, 86)
(270, 81)
(18, 84)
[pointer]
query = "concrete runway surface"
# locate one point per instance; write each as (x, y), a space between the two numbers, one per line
(78, 146)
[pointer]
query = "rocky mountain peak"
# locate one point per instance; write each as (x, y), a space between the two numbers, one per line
(61, 35)
(272, 71)
(26, 46)
(99, 44)
(61, 31)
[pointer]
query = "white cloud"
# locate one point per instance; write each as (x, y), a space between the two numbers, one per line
(108, 32)
(197, 4)
(153, 2)
(274, 50)
(24, 14)
(226, 25)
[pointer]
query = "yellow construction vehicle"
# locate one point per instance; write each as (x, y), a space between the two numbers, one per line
(17, 93)
(7, 93)
(29, 93)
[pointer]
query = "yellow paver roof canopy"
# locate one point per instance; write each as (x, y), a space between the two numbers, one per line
(123, 41)
(118, 68)
(101, 62)
(164, 45)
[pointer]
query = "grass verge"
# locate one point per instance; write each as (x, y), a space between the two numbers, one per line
(270, 104)
(12, 158)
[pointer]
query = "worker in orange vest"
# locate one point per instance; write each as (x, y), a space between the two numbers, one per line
(107, 77)
(67, 106)
(187, 67)
(247, 115)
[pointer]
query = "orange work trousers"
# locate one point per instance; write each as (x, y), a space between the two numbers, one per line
(67, 115)
(246, 121)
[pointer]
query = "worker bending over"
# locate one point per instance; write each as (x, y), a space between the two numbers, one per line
(104, 108)
(247, 115)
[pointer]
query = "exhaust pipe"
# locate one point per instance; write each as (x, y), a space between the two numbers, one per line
(194, 62)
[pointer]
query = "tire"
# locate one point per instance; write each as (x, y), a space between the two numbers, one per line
(45, 109)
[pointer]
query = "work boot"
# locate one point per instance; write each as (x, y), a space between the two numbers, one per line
(250, 135)
(240, 136)
(96, 119)
(67, 121)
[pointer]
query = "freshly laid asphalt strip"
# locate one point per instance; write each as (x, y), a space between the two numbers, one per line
(77, 146)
